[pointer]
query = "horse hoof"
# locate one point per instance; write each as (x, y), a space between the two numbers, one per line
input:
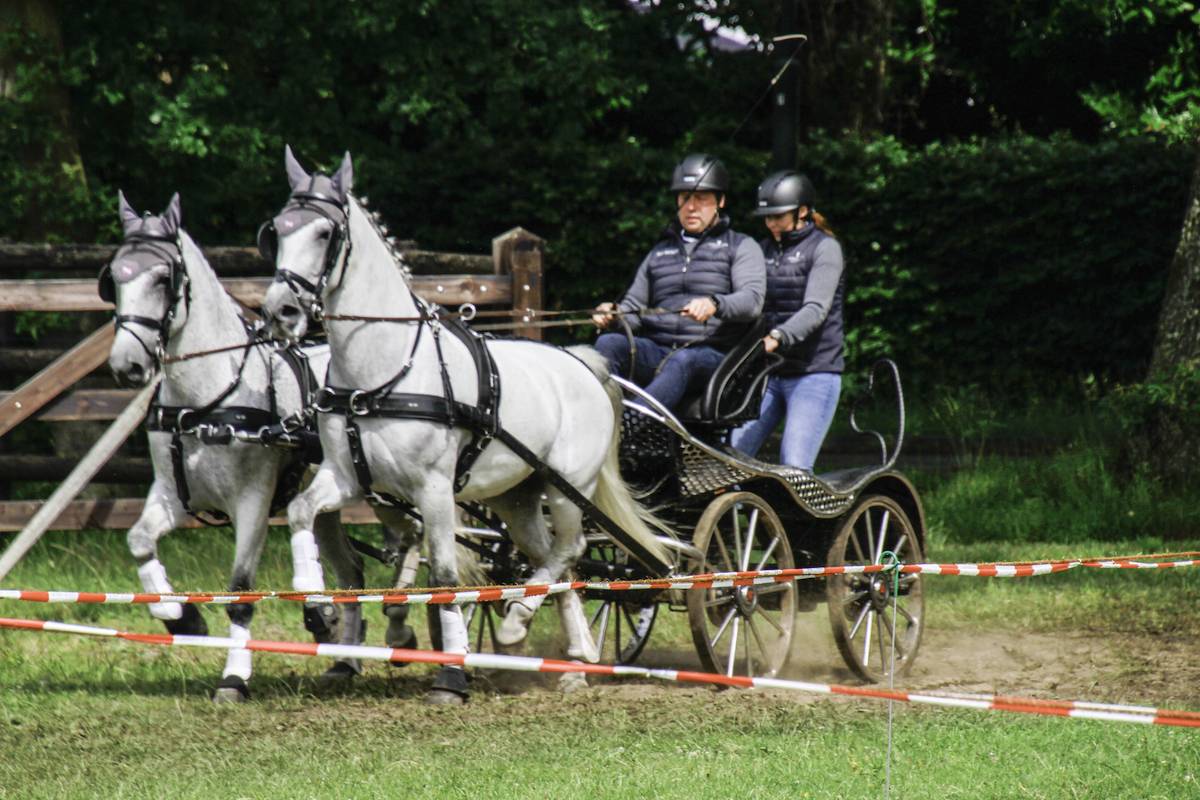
(231, 689)
(442, 697)
(449, 687)
(401, 636)
(340, 674)
(321, 620)
(512, 631)
(190, 624)
(570, 682)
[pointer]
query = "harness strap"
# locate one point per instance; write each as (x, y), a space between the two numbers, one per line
(432, 408)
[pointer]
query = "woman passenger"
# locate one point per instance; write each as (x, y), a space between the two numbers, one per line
(805, 291)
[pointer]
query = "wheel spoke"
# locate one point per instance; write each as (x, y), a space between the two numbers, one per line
(866, 659)
(771, 621)
(719, 600)
(767, 555)
(904, 612)
(853, 536)
(884, 662)
(732, 646)
(746, 650)
(772, 588)
(726, 562)
(737, 537)
(870, 535)
(859, 620)
(892, 631)
(750, 539)
(883, 526)
(758, 640)
(900, 545)
(721, 630)
(605, 610)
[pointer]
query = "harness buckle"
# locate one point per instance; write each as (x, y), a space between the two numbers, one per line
(356, 403)
(317, 311)
(322, 394)
(467, 312)
(180, 424)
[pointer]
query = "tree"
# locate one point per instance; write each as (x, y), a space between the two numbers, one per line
(1178, 341)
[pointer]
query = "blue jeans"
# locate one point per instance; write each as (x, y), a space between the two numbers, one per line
(666, 374)
(809, 402)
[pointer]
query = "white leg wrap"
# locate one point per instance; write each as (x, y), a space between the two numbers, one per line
(454, 632)
(579, 637)
(306, 567)
(154, 580)
(238, 661)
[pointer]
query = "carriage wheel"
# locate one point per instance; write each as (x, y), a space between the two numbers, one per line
(861, 606)
(621, 629)
(745, 630)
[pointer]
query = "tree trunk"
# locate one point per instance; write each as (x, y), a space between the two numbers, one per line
(1178, 339)
(1161, 419)
(57, 156)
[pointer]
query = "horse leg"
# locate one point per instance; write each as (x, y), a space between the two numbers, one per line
(569, 545)
(436, 503)
(521, 510)
(250, 534)
(348, 568)
(401, 533)
(327, 492)
(160, 515)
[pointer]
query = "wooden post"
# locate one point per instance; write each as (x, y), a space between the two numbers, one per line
(54, 379)
(88, 466)
(519, 253)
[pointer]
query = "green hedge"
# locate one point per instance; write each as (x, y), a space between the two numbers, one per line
(1002, 261)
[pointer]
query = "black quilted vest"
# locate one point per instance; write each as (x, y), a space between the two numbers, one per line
(788, 264)
(677, 277)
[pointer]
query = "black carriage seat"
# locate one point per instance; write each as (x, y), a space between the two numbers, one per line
(735, 391)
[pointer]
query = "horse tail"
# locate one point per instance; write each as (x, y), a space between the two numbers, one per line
(612, 495)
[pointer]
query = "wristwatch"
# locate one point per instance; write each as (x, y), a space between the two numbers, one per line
(776, 334)
(715, 301)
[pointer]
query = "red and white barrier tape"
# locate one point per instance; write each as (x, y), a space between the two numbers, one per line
(1144, 715)
(716, 580)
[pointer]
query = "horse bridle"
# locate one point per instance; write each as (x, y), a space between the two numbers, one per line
(268, 244)
(170, 249)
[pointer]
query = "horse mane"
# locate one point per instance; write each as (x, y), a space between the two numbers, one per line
(381, 231)
(204, 280)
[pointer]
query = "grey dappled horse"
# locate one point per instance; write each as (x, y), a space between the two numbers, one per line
(169, 302)
(560, 405)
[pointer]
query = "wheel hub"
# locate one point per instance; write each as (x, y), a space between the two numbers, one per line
(880, 589)
(746, 599)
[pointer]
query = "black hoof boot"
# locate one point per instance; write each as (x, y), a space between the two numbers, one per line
(321, 620)
(340, 674)
(190, 624)
(399, 633)
(231, 689)
(449, 687)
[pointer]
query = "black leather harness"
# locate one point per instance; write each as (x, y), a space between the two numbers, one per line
(482, 420)
(215, 424)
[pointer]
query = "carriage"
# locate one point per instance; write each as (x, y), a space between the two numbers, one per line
(411, 402)
(736, 513)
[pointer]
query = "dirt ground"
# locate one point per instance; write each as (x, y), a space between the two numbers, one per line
(1110, 667)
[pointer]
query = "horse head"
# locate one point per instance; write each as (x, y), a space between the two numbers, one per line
(304, 241)
(145, 280)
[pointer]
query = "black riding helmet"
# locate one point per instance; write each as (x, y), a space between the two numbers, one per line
(700, 172)
(782, 191)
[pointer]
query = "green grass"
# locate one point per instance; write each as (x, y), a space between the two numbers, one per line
(95, 718)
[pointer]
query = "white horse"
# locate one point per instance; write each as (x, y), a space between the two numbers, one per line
(169, 302)
(558, 404)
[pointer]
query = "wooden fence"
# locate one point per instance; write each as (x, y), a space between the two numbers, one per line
(511, 277)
